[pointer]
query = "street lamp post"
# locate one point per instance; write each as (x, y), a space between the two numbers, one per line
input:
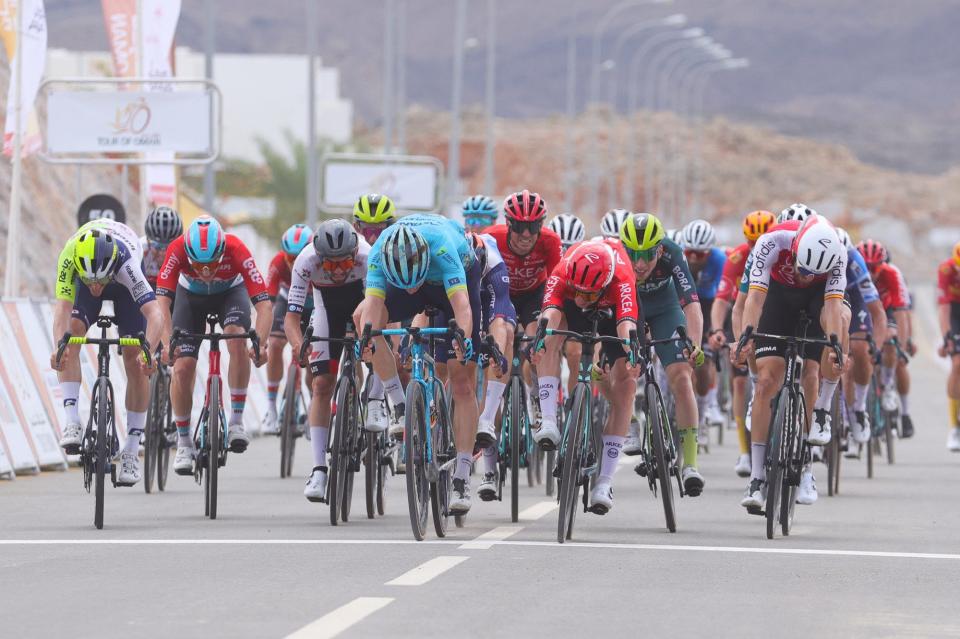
(389, 29)
(312, 176)
(401, 77)
(568, 153)
(209, 42)
(489, 181)
(453, 151)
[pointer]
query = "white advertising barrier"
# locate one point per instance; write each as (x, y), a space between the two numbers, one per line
(128, 122)
(412, 182)
(18, 450)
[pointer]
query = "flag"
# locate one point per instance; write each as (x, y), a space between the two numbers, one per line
(34, 51)
(159, 26)
(119, 17)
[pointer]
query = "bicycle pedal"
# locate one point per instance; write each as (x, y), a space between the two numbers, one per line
(237, 446)
(72, 449)
(640, 469)
(754, 510)
(598, 509)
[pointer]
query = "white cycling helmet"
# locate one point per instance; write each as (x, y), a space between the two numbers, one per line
(676, 235)
(844, 238)
(612, 221)
(699, 236)
(568, 227)
(796, 211)
(817, 246)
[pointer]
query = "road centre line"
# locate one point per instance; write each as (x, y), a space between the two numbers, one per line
(340, 619)
(491, 537)
(427, 571)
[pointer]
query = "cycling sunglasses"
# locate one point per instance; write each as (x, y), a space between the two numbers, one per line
(697, 254)
(206, 268)
(342, 264)
(475, 221)
(589, 296)
(643, 254)
(530, 227)
(101, 281)
(805, 272)
(371, 232)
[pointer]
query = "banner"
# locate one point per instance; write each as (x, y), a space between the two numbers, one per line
(159, 22)
(411, 182)
(34, 52)
(120, 16)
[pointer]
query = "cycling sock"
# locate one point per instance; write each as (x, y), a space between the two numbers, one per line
(612, 445)
(394, 390)
(71, 393)
(464, 462)
(954, 412)
(548, 397)
(701, 405)
(904, 406)
(758, 457)
(238, 401)
(688, 441)
(742, 435)
(825, 396)
(135, 422)
(490, 459)
(886, 375)
(492, 401)
(318, 440)
(753, 376)
(376, 387)
(711, 396)
(272, 390)
(860, 396)
(183, 430)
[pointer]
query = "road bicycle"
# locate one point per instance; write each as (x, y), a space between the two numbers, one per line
(160, 434)
(886, 428)
(100, 443)
(292, 419)
(212, 429)
(841, 415)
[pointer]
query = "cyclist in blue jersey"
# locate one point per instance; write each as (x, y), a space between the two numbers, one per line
(426, 261)
(706, 261)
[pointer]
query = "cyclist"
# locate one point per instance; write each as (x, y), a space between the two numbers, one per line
(163, 226)
(531, 253)
(755, 224)
(592, 275)
(948, 314)
(101, 261)
(293, 241)
(330, 269)
(896, 302)
(611, 222)
(706, 261)
(210, 271)
(425, 260)
(568, 228)
(797, 212)
(667, 291)
(794, 270)
(479, 212)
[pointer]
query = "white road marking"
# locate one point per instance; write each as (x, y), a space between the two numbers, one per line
(491, 537)
(427, 571)
(336, 621)
(222, 542)
(538, 510)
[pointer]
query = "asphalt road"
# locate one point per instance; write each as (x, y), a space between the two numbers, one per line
(881, 559)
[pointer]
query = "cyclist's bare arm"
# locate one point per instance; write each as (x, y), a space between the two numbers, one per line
(694, 314)
(460, 301)
(879, 318)
(718, 313)
(736, 316)
(291, 329)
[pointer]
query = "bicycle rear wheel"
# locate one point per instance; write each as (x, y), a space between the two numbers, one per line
(443, 449)
(383, 461)
(660, 434)
(102, 461)
(415, 448)
(168, 432)
(776, 459)
(214, 443)
(571, 457)
(350, 455)
(795, 462)
(288, 423)
(152, 434)
(889, 427)
(371, 460)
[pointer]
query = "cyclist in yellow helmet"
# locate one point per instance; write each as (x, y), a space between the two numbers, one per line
(372, 214)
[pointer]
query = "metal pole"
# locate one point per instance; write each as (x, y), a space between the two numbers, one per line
(144, 200)
(389, 29)
(453, 152)
(489, 179)
(568, 154)
(11, 282)
(209, 176)
(312, 170)
(401, 106)
(685, 86)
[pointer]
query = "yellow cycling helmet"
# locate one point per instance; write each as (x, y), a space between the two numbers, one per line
(95, 256)
(641, 232)
(374, 208)
(756, 224)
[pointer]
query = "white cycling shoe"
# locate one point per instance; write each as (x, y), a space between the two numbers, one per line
(713, 416)
(860, 427)
(270, 425)
(129, 469)
(183, 461)
(889, 400)
(807, 492)
(397, 420)
(548, 435)
(953, 440)
(377, 418)
(743, 466)
(316, 485)
(601, 498)
(237, 438)
(486, 434)
(72, 438)
(819, 434)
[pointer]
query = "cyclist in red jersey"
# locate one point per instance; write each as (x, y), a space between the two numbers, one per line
(948, 313)
(210, 271)
(593, 274)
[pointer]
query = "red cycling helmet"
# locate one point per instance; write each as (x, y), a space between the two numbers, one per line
(524, 207)
(873, 252)
(590, 267)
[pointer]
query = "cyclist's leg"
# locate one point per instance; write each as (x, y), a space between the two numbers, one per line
(705, 377)
(235, 318)
(548, 370)
(275, 345)
(131, 322)
(953, 379)
(86, 308)
(189, 314)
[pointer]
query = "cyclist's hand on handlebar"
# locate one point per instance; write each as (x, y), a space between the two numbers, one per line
(466, 352)
(716, 340)
(911, 348)
(695, 355)
(263, 357)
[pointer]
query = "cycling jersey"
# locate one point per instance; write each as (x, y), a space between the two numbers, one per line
(892, 287)
(235, 269)
(278, 274)
(529, 271)
(708, 277)
(672, 268)
(129, 272)
(773, 258)
(153, 256)
(733, 270)
(308, 271)
(620, 294)
(858, 276)
(450, 254)
(948, 283)
(495, 283)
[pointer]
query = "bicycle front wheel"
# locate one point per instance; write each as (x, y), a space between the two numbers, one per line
(660, 436)
(152, 434)
(168, 432)
(103, 450)
(517, 428)
(288, 423)
(415, 451)
(214, 444)
(443, 449)
(796, 454)
(776, 460)
(571, 457)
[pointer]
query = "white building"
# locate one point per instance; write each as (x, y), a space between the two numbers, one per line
(263, 95)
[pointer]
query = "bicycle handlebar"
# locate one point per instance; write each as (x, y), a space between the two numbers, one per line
(749, 333)
(417, 333)
(140, 341)
(180, 335)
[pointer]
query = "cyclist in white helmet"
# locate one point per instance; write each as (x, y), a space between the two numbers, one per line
(569, 227)
(795, 211)
(612, 221)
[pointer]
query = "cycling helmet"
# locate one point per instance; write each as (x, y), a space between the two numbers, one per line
(479, 210)
(641, 232)
(568, 227)
(374, 208)
(524, 206)
(589, 267)
(295, 239)
(873, 252)
(844, 238)
(756, 224)
(956, 254)
(163, 225)
(205, 240)
(797, 211)
(699, 236)
(335, 238)
(816, 246)
(612, 221)
(96, 256)
(676, 236)
(405, 257)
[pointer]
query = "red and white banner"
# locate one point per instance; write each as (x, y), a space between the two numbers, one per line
(120, 18)
(34, 52)
(160, 19)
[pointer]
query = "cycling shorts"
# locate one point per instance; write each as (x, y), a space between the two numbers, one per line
(339, 303)
(860, 320)
(130, 321)
(955, 318)
(662, 323)
(578, 322)
(528, 305)
(190, 310)
(495, 297)
(780, 315)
